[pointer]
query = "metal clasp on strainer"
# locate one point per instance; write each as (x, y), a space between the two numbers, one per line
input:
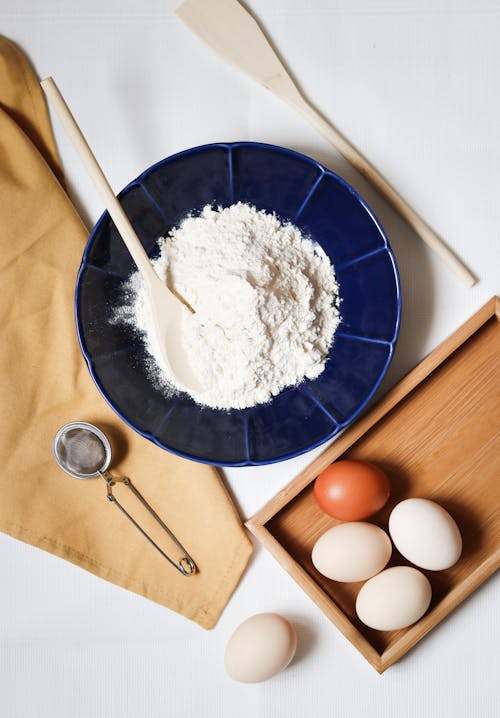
(84, 452)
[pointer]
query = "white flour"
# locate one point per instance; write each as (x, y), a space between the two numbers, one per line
(266, 305)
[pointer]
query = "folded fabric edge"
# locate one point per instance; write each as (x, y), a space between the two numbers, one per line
(207, 618)
(38, 127)
(204, 617)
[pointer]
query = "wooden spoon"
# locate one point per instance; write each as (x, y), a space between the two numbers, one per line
(232, 32)
(167, 310)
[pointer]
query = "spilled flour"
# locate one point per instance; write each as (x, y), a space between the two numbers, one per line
(265, 302)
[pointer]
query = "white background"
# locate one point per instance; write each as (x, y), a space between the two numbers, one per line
(415, 84)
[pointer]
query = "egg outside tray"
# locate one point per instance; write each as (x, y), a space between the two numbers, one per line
(436, 435)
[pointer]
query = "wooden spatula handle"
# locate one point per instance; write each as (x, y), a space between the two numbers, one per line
(98, 177)
(373, 176)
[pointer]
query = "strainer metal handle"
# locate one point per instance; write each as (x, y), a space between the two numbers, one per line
(185, 565)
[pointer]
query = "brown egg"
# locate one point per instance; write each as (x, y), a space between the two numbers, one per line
(351, 490)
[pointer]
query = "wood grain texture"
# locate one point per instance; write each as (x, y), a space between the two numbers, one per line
(437, 436)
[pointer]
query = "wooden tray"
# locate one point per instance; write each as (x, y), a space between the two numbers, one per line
(436, 433)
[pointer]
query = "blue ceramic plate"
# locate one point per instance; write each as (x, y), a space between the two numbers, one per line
(323, 206)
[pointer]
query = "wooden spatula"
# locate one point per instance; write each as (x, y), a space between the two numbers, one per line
(167, 311)
(232, 32)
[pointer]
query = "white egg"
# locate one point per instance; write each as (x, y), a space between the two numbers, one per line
(425, 534)
(260, 647)
(394, 599)
(352, 551)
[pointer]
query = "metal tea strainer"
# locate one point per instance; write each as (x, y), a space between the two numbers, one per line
(84, 452)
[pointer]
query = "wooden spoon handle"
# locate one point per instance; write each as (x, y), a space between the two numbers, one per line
(98, 177)
(373, 176)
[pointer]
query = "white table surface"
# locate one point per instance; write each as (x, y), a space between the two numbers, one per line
(414, 83)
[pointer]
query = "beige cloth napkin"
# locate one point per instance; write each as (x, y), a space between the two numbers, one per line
(45, 384)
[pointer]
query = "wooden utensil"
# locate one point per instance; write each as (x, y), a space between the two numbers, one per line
(232, 32)
(436, 436)
(167, 310)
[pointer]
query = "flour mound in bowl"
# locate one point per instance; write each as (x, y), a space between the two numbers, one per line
(265, 301)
